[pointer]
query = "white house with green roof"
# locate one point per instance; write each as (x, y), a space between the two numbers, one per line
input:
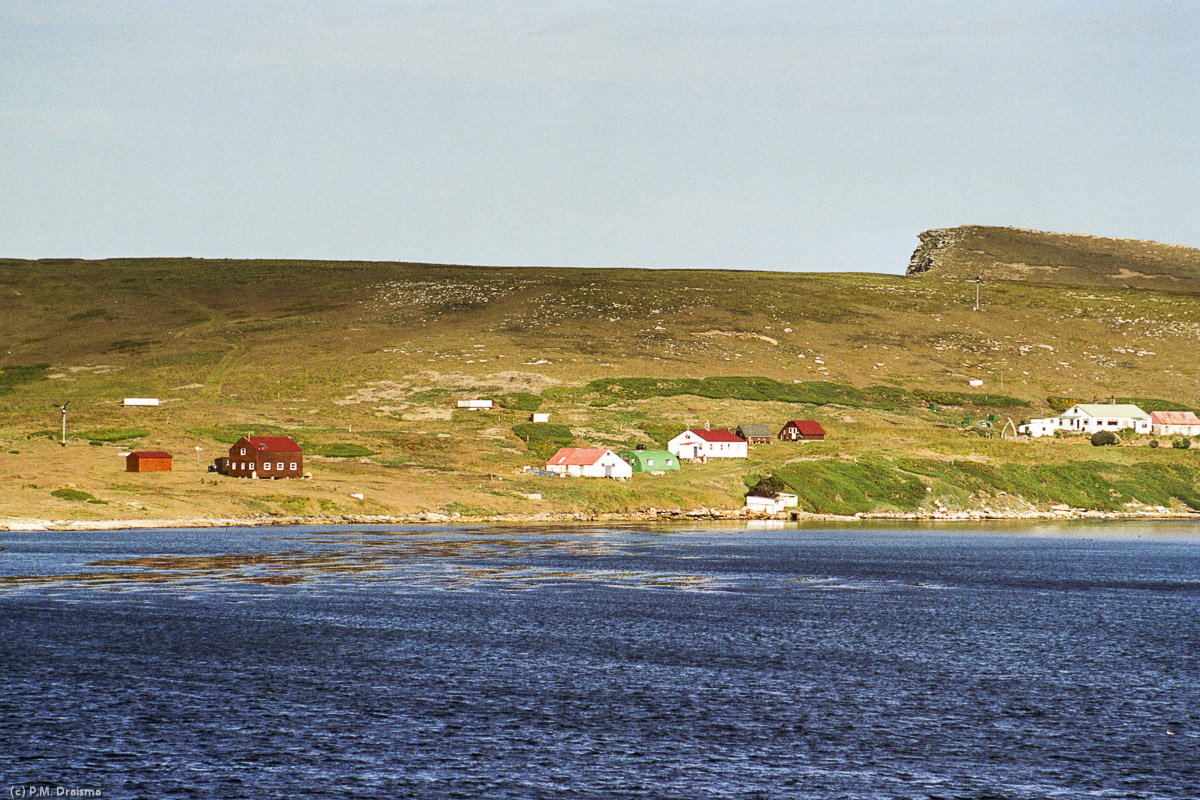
(1090, 418)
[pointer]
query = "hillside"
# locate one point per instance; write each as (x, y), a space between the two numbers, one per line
(363, 362)
(1039, 257)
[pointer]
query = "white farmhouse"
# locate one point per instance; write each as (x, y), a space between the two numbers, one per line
(695, 444)
(1090, 418)
(1167, 423)
(589, 462)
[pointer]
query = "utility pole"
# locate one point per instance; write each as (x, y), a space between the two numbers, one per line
(978, 280)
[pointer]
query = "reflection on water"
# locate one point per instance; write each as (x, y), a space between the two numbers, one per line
(1043, 661)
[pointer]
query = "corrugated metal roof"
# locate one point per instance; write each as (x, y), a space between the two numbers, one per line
(577, 456)
(757, 431)
(1174, 418)
(151, 454)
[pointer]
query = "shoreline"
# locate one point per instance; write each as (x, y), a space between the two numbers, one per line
(651, 515)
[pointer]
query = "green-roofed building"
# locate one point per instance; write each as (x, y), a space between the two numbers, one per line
(650, 460)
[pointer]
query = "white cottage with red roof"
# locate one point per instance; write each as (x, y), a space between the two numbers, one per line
(266, 457)
(589, 462)
(697, 444)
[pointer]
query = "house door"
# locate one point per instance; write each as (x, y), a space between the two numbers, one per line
(608, 471)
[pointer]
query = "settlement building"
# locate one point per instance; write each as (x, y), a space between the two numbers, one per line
(1090, 418)
(266, 457)
(148, 461)
(798, 430)
(755, 434)
(650, 460)
(700, 445)
(1167, 423)
(589, 462)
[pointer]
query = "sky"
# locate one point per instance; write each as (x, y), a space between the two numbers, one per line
(797, 136)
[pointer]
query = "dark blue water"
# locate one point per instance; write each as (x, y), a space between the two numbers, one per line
(1035, 663)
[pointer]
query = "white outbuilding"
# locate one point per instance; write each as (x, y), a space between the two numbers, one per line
(1172, 423)
(589, 462)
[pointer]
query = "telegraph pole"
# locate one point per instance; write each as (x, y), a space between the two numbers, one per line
(978, 280)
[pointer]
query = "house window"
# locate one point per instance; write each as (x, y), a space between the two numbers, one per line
(243, 451)
(267, 467)
(293, 466)
(279, 465)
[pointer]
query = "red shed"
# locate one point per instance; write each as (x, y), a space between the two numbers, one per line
(148, 461)
(802, 430)
(266, 457)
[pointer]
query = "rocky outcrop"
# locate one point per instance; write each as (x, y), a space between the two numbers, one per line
(933, 244)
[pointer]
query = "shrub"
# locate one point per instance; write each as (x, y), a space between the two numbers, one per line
(1103, 438)
(72, 495)
(1061, 404)
(544, 438)
(520, 401)
(1154, 442)
(1182, 443)
(766, 486)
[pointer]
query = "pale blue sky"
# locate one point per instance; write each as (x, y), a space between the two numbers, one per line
(757, 135)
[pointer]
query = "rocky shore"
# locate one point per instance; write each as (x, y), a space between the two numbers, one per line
(650, 515)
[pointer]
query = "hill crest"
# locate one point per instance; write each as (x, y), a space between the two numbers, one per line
(1017, 254)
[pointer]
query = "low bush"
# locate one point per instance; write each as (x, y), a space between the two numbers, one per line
(72, 495)
(1182, 443)
(544, 438)
(1154, 442)
(520, 401)
(1104, 438)
(766, 486)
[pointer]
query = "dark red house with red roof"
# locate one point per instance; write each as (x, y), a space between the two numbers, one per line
(266, 457)
(802, 430)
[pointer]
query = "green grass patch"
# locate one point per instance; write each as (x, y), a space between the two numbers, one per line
(292, 504)
(970, 399)
(607, 391)
(13, 375)
(339, 450)
(468, 510)
(228, 434)
(113, 434)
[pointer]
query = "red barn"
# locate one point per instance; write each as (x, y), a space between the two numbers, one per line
(802, 430)
(148, 461)
(266, 457)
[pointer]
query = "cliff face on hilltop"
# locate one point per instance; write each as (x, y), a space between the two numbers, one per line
(1040, 257)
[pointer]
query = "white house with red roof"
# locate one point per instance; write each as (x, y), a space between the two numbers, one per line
(589, 462)
(696, 444)
(1183, 423)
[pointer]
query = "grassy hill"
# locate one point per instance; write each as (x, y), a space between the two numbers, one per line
(363, 362)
